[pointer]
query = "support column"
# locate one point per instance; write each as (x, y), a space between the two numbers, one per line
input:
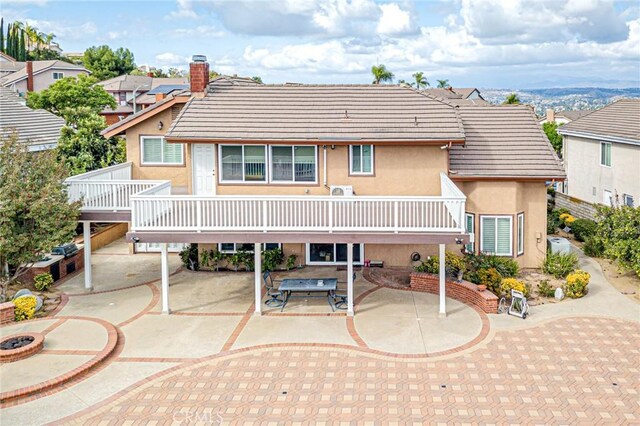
(164, 266)
(350, 279)
(442, 276)
(88, 277)
(257, 252)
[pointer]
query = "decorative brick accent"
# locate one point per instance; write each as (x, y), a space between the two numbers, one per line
(7, 312)
(198, 76)
(464, 291)
(11, 355)
(78, 259)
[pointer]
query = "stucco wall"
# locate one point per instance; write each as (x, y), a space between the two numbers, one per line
(45, 79)
(584, 172)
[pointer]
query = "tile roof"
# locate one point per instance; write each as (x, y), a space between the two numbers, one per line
(315, 113)
(620, 119)
(503, 142)
(38, 67)
(34, 127)
(128, 83)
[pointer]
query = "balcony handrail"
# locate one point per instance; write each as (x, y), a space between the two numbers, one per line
(144, 195)
(107, 172)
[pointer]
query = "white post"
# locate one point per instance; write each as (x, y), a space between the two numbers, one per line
(164, 253)
(88, 279)
(350, 279)
(257, 252)
(441, 268)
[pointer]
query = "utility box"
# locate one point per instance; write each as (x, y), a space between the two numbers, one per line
(558, 245)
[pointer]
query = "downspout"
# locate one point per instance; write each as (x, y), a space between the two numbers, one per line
(324, 165)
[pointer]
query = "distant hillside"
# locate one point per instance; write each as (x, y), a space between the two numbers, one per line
(572, 98)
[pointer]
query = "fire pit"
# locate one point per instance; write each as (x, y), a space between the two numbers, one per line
(20, 346)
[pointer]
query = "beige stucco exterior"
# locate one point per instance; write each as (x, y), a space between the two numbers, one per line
(42, 80)
(587, 179)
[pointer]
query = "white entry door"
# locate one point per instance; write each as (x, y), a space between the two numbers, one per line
(203, 156)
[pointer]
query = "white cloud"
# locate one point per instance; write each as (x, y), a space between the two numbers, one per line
(207, 31)
(25, 2)
(171, 59)
(393, 20)
(63, 30)
(185, 10)
(115, 35)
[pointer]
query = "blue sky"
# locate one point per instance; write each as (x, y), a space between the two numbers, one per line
(482, 43)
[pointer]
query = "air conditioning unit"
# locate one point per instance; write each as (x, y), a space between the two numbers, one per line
(341, 190)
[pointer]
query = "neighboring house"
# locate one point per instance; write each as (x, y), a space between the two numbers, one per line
(6, 58)
(336, 174)
(34, 76)
(563, 117)
(39, 129)
(602, 155)
(131, 93)
(459, 96)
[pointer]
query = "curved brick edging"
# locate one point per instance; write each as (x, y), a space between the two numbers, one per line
(11, 355)
(112, 340)
(463, 291)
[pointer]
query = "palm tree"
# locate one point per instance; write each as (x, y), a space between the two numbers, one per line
(421, 80)
(381, 74)
(443, 84)
(511, 99)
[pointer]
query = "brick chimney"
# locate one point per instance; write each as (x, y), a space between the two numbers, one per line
(150, 74)
(551, 115)
(198, 74)
(29, 76)
(160, 96)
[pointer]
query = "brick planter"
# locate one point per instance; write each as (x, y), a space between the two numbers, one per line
(465, 291)
(11, 355)
(7, 312)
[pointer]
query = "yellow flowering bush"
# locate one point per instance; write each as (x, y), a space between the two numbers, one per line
(577, 283)
(25, 308)
(569, 220)
(563, 216)
(509, 284)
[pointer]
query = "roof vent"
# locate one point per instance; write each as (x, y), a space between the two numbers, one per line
(199, 58)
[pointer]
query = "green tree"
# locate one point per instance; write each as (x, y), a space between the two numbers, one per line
(443, 84)
(213, 74)
(511, 99)
(257, 79)
(105, 63)
(81, 147)
(22, 51)
(35, 214)
(551, 130)
(2, 35)
(9, 47)
(420, 80)
(381, 74)
(618, 233)
(68, 94)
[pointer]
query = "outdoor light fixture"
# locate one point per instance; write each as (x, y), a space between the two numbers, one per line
(160, 125)
(135, 239)
(333, 147)
(458, 241)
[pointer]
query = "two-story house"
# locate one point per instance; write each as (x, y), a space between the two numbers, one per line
(333, 173)
(601, 154)
(35, 76)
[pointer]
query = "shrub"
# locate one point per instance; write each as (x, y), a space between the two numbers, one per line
(583, 228)
(506, 266)
(564, 216)
(272, 258)
(453, 264)
(559, 264)
(429, 265)
(568, 221)
(552, 224)
(291, 261)
(43, 281)
(25, 308)
(189, 257)
(509, 284)
(491, 278)
(576, 285)
(593, 246)
(619, 231)
(546, 289)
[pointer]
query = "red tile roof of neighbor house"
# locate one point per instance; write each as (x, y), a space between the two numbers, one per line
(619, 120)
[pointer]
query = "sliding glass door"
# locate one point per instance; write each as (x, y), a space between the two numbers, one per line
(333, 254)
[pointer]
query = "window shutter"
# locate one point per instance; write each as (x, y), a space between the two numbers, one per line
(504, 236)
(172, 153)
(488, 234)
(152, 150)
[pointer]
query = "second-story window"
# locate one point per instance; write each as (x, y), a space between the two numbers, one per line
(243, 163)
(156, 151)
(361, 159)
(605, 154)
(58, 75)
(293, 163)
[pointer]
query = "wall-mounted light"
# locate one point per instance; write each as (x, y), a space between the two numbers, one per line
(160, 125)
(333, 147)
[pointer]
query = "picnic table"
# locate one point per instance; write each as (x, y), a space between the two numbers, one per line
(307, 286)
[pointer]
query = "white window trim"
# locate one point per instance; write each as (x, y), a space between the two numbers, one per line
(472, 230)
(625, 197)
(520, 225)
(162, 163)
(496, 217)
(334, 262)
(58, 72)
(293, 159)
(235, 247)
(610, 154)
(609, 202)
(244, 181)
(351, 171)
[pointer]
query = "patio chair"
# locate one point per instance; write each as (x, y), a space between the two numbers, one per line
(276, 296)
(340, 300)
